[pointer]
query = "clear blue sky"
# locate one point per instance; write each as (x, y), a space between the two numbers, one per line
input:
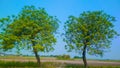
(62, 9)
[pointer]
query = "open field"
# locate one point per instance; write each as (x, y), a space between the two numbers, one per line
(53, 62)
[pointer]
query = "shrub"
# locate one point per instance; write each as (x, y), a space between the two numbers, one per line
(63, 57)
(77, 57)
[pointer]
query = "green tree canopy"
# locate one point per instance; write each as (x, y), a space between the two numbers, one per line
(91, 32)
(32, 28)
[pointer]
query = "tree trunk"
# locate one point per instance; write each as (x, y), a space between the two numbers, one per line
(37, 56)
(36, 53)
(84, 56)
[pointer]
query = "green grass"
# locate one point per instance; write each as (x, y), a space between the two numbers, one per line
(17, 64)
(12, 64)
(81, 66)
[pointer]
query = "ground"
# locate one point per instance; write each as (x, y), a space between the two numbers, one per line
(62, 62)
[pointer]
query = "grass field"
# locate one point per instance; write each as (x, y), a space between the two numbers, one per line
(12, 64)
(30, 62)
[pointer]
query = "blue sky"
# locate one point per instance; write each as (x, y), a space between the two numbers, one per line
(62, 9)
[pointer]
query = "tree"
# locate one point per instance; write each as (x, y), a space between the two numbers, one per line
(32, 29)
(90, 33)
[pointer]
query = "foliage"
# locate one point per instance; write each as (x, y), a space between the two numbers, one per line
(63, 57)
(93, 29)
(77, 57)
(32, 26)
(90, 33)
